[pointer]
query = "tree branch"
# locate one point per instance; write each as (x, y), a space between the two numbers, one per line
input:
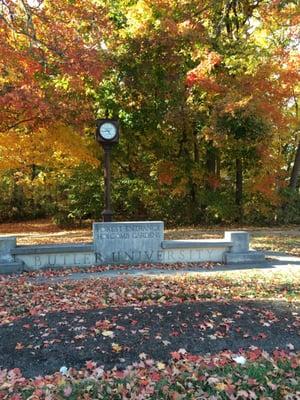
(18, 123)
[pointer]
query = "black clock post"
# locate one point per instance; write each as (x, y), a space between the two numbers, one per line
(107, 134)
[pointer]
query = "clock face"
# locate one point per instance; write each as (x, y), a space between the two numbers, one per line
(108, 131)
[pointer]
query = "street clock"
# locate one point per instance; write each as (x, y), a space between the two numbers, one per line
(107, 130)
(107, 134)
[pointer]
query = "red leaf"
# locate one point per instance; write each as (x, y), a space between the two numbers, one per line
(90, 365)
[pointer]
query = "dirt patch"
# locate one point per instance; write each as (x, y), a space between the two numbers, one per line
(117, 336)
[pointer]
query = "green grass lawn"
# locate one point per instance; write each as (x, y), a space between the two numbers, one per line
(185, 377)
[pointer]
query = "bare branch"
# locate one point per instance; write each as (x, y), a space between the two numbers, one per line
(29, 33)
(18, 123)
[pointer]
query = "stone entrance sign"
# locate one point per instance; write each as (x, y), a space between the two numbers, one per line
(128, 242)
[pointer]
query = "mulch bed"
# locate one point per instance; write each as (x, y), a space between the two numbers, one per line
(117, 336)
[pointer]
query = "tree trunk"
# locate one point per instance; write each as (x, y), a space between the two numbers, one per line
(211, 160)
(218, 171)
(196, 149)
(212, 166)
(196, 160)
(295, 175)
(33, 172)
(239, 186)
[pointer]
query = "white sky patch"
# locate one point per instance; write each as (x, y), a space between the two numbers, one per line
(35, 3)
(254, 23)
(103, 45)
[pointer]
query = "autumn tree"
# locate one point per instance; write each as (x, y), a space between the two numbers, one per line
(252, 77)
(51, 60)
(206, 93)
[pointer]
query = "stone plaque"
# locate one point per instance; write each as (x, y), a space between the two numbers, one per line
(128, 242)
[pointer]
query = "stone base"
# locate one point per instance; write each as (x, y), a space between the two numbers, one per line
(11, 267)
(247, 257)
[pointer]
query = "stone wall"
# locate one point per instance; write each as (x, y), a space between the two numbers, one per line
(126, 243)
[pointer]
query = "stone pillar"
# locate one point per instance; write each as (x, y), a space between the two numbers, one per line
(239, 252)
(6, 245)
(239, 239)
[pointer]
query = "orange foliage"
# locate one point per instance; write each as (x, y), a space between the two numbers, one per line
(47, 60)
(166, 173)
(213, 182)
(208, 84)
(200, 75)
(267, 185)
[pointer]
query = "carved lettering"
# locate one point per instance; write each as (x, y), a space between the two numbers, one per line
(200, 252)
(99, 258)
(181, 255)
(54, 260)
(37, 261)
(149, 256)
(86, 259)
(160, 256)
(129, 256)
(127, 232)
(170, 255)
(209, 252)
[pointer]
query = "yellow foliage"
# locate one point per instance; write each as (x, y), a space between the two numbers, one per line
(139, 15)
(57, 147)
(262, 38)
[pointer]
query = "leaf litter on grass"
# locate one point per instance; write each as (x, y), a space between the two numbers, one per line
(21, 298)
(268, 376)
(261, 376)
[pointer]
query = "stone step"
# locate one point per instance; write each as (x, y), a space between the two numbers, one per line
(251, 256)
(11, 267)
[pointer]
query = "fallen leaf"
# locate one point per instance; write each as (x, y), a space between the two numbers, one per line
(19, 346)
(108, 334)
(239, 360)
(116, 347)
(160, 365)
